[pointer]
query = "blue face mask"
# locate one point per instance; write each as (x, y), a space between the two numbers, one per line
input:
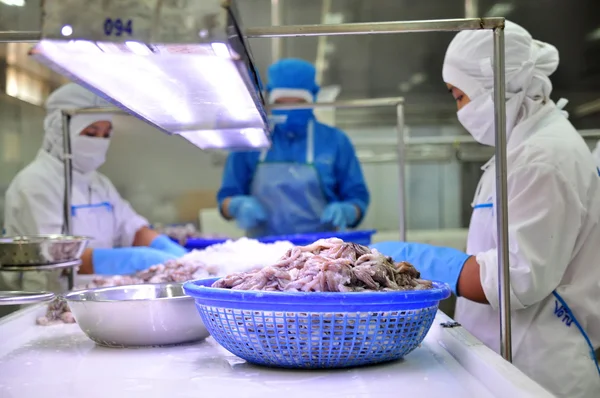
(295, 120)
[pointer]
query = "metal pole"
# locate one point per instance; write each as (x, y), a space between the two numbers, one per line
(322, 44)
(347, 29)
(359, 103)
(13, 36)
(502, 196)
(373, 28)
(471, 10)
(68, 174)
(401, 173)
(277, 44)
(401, 146)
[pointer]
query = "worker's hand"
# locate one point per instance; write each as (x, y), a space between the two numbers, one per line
(442, 264)
(165, 244)
(127, 260)
(247, 211)
(340, 215)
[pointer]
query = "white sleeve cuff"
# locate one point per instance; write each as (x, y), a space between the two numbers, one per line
(488, 274)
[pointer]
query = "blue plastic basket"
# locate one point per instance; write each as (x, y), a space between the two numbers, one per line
(360, 237)
(316, 330)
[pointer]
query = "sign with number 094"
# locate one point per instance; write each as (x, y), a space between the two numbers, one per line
(118, 27)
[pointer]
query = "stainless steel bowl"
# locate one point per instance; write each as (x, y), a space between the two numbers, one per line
(22, 298)
(41, 249)
(137, 315)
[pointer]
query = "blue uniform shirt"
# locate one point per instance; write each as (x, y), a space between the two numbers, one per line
(335, 160)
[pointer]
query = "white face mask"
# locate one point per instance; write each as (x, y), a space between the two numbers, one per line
(89, 153)
(477, 117)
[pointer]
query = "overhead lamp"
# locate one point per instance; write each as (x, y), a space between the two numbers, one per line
(500, 9)
(183, 66)
(16, 3)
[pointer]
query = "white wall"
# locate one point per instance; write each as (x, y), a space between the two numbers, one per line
(151, 169)
(169, 166)
(20, 138)
(432, 188)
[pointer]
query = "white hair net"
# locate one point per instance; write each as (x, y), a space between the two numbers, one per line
(528, 63)
(71, 96)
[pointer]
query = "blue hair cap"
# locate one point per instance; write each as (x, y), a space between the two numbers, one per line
(292, 73)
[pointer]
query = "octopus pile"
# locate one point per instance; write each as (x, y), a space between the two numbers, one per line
(184, 232)
(329, 265)
(216, 260)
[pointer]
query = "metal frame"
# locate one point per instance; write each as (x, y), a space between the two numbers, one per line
(496, 25)
(398, 103)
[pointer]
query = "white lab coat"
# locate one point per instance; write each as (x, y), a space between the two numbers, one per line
(596, 154)
(554, 228)
(34, 205)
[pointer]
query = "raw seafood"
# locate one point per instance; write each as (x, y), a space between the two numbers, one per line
(329, 265)
(58, 312)
(217, 260)
(183, 232)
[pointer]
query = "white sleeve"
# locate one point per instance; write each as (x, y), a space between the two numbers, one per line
(596, 154)
(36, 209)
(545, 215)
(127, 221)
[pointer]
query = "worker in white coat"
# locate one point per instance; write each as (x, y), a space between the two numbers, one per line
(596, 153)
(34, 199)
(553, 213)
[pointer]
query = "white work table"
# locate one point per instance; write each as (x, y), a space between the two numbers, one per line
(60, 361)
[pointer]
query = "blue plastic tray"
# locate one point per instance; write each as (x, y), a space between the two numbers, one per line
(202, 243)
(360, 237)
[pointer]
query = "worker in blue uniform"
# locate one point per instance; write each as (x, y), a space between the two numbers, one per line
(310, 179)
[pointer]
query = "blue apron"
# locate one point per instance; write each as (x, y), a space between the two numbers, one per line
(291, 194)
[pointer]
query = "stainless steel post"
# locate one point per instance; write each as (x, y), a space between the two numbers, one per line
(471, 9)
(401, 172)
(12, 36)
(374, 28)
(276, 44)
(68, 173)
(502, 196)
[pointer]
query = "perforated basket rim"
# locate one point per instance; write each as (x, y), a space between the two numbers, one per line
(201, 289)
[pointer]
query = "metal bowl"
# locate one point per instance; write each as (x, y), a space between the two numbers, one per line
(23, 298)
(41, 249)
(137, 315)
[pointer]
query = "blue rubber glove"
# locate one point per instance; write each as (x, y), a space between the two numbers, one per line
(165, 244)
(127, 260)
(247, 211)
(442, 264)
(339, 214)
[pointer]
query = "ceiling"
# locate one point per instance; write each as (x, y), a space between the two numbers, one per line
(409, 64)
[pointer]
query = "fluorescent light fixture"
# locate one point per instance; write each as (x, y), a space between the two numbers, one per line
(16, 3)
(334, 18)
(418, 78)
(500, 10)
(237, 139)
(183, 67)
(593, 35)
(66, 31)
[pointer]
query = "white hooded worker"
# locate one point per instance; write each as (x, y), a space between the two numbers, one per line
(122, 241)
(553, 214)
(596, 153)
